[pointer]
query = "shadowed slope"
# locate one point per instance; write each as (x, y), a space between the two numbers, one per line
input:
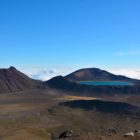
(11, 80)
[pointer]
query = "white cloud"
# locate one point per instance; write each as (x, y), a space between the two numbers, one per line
(132, 73)
(128, 53)
(120, 53)
(44, 74)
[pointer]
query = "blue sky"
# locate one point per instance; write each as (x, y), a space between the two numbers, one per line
(70, 34)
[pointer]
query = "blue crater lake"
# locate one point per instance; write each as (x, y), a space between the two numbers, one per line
(106, 83)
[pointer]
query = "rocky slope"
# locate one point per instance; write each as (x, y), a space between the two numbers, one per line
(95, 74)
(12, 80)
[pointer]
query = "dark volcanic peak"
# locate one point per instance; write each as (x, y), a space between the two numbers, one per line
(12, 68)
(12, 80)
(95, 74)
(60, 82)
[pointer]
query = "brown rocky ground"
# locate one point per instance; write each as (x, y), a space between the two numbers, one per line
(36, 115)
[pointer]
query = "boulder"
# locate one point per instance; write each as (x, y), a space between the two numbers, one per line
(130, 134)
(137, 131)
(66, 134)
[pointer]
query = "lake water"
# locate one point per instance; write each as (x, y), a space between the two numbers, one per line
(107, 83)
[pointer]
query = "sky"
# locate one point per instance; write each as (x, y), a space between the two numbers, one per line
(45, 38)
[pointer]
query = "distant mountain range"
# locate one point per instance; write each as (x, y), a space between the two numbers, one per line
(71, 83)
(12, 80)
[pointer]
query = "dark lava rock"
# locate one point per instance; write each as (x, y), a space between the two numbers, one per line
(66, 134)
